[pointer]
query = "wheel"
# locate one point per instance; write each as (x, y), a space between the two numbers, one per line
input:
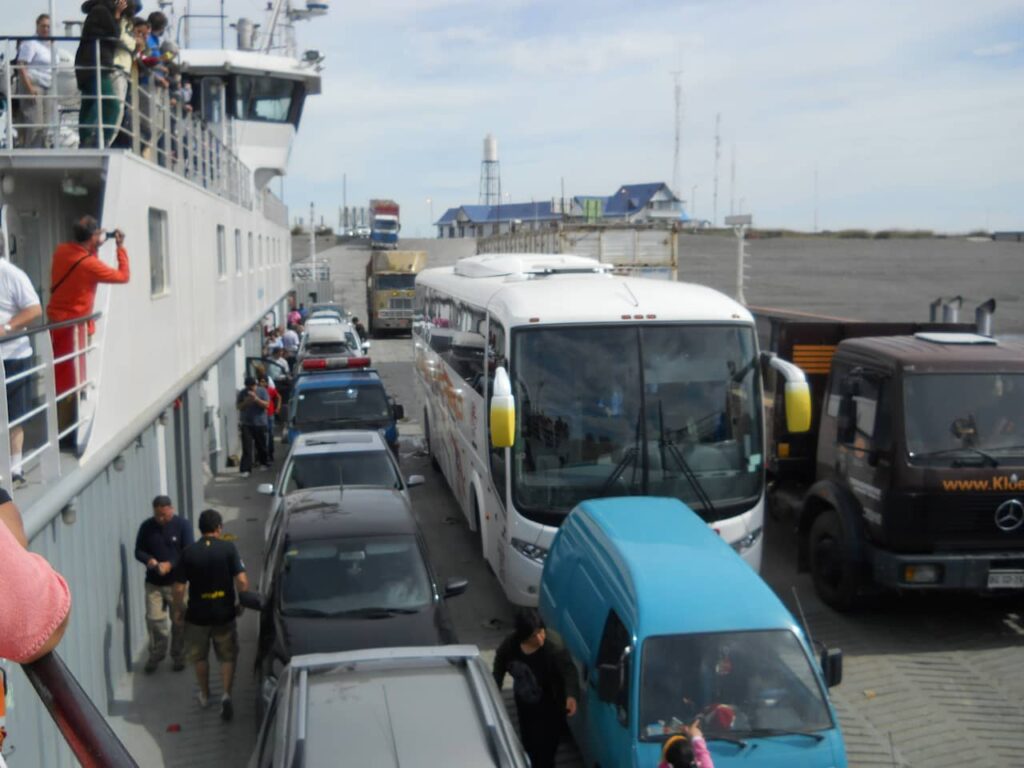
(833, 569)
(479, 529)
(426, 439)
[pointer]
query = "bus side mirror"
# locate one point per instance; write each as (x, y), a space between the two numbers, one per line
(797, 395)
(832, 666)
(503, 411)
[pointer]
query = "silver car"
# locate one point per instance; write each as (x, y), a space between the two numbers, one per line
(425, 707)
(351, 457)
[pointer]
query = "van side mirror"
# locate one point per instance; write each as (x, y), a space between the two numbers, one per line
(607, 682)
(399, 411)
(503, 410)
(455, 586)
(832, 666)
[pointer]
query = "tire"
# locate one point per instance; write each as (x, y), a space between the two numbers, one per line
(479, 529)
(426, 439)
(834, 571)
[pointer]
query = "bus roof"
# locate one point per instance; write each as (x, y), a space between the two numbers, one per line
(555, 288)
(671, 558)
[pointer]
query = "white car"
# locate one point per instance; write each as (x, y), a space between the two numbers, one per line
(356, 458)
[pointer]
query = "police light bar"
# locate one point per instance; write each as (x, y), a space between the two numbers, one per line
(332, 363)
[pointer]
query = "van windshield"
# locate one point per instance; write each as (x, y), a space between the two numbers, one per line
(741, 684)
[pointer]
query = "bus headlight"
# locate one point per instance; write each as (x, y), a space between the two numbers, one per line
(530, 551)
(741, 545)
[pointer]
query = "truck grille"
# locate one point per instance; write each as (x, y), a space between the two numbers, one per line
(953, 522)
(395, 314)
(401, 303)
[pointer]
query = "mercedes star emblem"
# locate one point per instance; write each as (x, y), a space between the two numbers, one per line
(1009, 515)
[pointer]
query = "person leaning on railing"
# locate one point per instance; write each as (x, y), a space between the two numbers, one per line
(94, 75)
(35, 77)
(76, 271)
(122, 74)
(35, 601)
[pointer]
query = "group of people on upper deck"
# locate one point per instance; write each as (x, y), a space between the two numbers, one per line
(118, 48)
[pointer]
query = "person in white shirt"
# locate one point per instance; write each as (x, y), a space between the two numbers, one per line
(35, 77)
(19, 307)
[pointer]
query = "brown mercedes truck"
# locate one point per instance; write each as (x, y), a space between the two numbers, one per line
(912, 475)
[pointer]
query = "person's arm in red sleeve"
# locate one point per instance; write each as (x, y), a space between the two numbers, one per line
(106, 274)
(35, 602)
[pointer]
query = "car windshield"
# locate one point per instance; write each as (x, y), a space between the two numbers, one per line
(349, 468)
(949, 416)
(739, 683)
(341, 405)
(628, 410)
(396, 282)
(335, 577)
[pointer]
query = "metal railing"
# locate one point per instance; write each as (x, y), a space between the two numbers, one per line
(87, 732)
(42, 425)
(118, 109)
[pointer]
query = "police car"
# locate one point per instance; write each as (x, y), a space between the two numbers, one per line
(341, 393)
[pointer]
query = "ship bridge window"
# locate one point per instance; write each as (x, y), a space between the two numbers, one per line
(267, 99)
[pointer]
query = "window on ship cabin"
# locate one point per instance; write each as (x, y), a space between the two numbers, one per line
(222, 247)
(252, 252)
(238, 251)
(159, 253)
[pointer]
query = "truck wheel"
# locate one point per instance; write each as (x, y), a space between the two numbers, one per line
(426, 439)
(834, 573)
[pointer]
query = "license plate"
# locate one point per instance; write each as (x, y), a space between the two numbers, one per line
(1006, 579)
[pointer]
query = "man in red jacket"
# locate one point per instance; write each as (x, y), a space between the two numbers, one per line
(76, 271)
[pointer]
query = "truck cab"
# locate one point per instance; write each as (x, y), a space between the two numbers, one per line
(913, 478)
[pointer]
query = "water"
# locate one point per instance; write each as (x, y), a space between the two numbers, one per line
(874, 280)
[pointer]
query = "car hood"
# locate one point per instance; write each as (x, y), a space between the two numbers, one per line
(311, 635)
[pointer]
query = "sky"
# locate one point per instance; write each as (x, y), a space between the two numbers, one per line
(874, 114)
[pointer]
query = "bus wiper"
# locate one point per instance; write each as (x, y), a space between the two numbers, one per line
(627, 458)
(673, 449)
(992, 460)
(785, 732)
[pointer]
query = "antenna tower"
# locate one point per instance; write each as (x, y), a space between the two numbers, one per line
(718, 151)
(678, 92)
(490, 173)
(732, 182)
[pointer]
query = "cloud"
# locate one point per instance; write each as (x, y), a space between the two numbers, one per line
(1005, 48)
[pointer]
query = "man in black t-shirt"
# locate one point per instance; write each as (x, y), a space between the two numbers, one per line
(213, 570)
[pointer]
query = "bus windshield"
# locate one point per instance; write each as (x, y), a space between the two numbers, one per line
(633, 410)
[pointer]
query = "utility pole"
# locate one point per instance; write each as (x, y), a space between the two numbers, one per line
(344, 197)
(815, 197)
(732, 183)
(678, 91)
(718, 151)
(312, 239)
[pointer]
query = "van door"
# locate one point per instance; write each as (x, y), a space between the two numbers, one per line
(609, 738)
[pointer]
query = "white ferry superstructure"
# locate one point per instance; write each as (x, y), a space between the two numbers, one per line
(210, 256)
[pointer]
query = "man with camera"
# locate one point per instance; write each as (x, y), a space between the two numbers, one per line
(77, 270)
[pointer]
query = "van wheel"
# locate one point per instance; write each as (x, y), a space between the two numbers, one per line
(835, 575)
(426, 439)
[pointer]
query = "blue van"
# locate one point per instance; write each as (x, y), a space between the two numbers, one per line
(343, 399)
(665, 624)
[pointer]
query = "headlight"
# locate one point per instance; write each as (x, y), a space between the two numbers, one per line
(530, 551)
(743, 544)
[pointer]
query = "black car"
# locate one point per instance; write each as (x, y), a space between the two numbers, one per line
(346, 569)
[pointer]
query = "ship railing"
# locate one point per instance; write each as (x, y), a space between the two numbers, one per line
(83, 726)
(53, 417)
(117, 110)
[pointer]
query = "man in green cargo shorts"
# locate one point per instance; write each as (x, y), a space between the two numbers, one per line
(213, 570)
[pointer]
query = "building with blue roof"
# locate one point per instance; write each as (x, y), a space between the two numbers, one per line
(631, 204)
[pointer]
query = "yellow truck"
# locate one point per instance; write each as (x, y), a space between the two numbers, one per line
(390, 289)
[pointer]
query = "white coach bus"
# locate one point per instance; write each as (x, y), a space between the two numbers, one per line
(545, 380)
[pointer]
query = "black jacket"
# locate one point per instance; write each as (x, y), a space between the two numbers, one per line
(99, 25)
(559, 676)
